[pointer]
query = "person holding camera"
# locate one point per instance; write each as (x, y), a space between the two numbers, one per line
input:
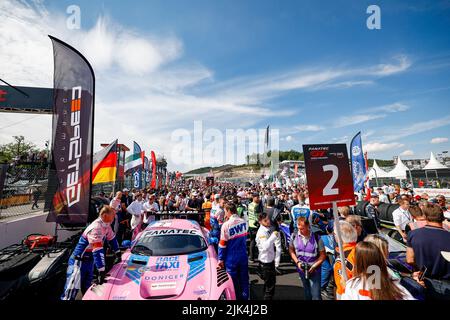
(269, 248)
(308, 253)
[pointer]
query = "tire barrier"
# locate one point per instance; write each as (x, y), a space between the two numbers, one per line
(360, 209)
(384, 209)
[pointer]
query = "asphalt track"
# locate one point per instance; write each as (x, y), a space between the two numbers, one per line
(288, 285)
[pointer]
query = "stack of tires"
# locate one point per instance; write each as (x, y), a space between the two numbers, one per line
(385, 210)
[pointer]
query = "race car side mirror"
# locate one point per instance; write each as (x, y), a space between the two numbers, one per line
(126, 244)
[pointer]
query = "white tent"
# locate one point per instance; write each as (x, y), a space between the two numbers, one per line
(399, 172)
(376, 171)
(434, 164)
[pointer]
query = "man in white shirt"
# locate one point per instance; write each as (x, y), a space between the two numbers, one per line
(269, 247)
(150, 208)
(136, 209)
(382, 196)
(402, 217)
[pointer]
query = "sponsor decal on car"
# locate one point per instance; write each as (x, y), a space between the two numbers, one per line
(197, 264)
(171, 232)
(163, 285)
(164, 277)
(167, 263)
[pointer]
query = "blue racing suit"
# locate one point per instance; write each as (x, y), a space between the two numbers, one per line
(88, 251)
(233, 252)
(327, 265)
(216, 221)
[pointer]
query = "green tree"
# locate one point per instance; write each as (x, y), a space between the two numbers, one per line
(17, 148)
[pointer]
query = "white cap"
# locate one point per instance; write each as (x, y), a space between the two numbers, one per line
(125, 190)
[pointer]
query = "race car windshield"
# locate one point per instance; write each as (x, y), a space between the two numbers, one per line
(169, 245)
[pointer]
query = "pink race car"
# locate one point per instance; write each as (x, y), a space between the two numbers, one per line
(170, 259)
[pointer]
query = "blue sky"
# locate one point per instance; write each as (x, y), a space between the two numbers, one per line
(311, 69)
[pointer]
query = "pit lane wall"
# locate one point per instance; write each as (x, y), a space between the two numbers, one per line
(433, 192)
(13, 231)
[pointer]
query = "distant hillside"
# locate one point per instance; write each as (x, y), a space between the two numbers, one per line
(288, 155)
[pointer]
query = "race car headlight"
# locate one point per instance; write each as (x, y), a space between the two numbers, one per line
(223, 296)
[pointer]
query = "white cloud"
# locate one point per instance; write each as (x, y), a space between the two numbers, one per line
(158, 95)
(413, 129)
(356, 119)
(388, 69)
(289, 138)
(391, 108)
(438, 140)
(310, 127)
(377, 146)
(407, 153)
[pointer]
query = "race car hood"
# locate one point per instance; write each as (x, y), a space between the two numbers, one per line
(173, 277)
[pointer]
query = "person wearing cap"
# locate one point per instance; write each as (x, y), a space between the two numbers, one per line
(371, 210)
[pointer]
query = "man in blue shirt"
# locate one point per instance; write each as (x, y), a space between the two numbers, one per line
(424, 251)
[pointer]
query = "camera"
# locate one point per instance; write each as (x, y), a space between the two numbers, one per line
(305, 267)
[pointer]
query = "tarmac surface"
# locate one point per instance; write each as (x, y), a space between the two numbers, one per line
(288, 285)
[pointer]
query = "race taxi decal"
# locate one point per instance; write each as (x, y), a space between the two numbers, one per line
(196, 262)
(167, 263)
(135, 270)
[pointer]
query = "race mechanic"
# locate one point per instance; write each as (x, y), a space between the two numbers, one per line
(232, 251)
(89, 251)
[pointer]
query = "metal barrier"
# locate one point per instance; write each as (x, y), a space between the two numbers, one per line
(22, 188)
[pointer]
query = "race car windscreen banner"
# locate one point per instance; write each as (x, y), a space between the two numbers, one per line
(72, 136)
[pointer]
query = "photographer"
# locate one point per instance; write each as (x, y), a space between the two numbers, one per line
(308, 253)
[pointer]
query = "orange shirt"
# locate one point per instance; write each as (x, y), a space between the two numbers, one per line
(206, 207)
(349, 252)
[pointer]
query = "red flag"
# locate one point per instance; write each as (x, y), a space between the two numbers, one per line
(368, 191)
(153, 184)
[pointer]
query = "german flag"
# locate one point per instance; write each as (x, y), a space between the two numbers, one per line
(105, 165)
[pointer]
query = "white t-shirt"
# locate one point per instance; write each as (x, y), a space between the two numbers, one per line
(401, 218)
(355, 291)
(136, 208)
(150, 207)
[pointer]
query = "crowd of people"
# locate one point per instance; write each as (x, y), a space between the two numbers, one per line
(244, 224)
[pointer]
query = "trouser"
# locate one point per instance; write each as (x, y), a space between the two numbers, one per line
(79, 276)
(253, 249)
(120, 236)
(239, 274)
(311, 286)
(437, 289)
(270, 279)
(35, 203)
(326, 270)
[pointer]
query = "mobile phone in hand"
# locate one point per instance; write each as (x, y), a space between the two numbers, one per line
(423, 271)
